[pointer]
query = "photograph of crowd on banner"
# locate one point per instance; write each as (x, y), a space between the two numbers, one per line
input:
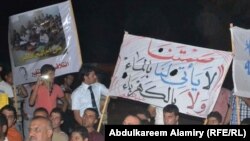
(36, 35)
(41, 36)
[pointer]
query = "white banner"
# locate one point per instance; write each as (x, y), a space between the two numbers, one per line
(43, 36)
(241, 62)
(161, 72)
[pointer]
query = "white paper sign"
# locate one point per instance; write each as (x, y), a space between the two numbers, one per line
(161, 72)
(241, 62)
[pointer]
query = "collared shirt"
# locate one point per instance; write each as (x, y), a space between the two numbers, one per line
(244, 110)
(81, 97)
(6, 88)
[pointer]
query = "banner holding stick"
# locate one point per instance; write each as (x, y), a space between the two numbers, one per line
(103, 112)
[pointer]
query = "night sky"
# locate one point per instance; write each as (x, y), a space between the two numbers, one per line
(101, 23)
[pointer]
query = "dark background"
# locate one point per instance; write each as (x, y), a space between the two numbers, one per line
(101, 23)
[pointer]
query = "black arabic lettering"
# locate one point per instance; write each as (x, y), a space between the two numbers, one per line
(209, 80)
(152, 94)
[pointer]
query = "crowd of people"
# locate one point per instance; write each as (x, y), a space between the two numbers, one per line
(47, 111)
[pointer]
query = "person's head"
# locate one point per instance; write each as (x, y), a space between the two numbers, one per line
(79, 133)
(245, 121)
(7, 76)
(144, 116)
(90, 117)
(3, 126)
(40, 129)
(68, 79)
(49, 70)
(56, 117)
(11, 115)
(41, 112)
(131, 120)
(88, 75)
(214, 118)
(171, 114)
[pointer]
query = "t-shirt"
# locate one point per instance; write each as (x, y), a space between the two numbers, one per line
(48, 99)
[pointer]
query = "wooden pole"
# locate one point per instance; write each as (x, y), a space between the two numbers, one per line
(102, 113)
(232, 39)
(237, 98)
(15, 97)
(238, 110)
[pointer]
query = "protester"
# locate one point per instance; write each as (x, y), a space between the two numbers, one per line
(56, 117)
(171, 115)
(214, 118)
(45, 92)
(13, 134)
(88, 94)
(79, 133)
(40, 129)
(89, 120)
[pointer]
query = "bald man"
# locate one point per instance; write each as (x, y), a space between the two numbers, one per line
(40, 129)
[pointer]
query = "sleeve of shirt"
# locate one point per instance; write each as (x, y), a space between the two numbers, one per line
(75, 101)
(104, 90)
(59, 91)
(9, 91)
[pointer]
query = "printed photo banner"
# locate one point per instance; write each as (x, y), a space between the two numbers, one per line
(161, 72)
(241, 61)
(46, 35)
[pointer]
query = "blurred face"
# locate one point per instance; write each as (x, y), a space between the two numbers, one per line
(3, 130)
(56, 120)
(170, 119)
(69, 80)
(75, 136)
(131, 120)
(212, 121)
(91, 78)
(9, 78)
(10, 117)
(39, 131)
(89, 118)
(51, 75)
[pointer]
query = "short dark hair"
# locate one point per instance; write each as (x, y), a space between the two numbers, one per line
(171, 108)
(216, 115)
(82, 131)
(46, 68)
(58, 111)
(93, 110)
(10, 108)
(85, 70)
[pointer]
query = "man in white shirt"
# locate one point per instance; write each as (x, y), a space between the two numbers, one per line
(82, 98)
